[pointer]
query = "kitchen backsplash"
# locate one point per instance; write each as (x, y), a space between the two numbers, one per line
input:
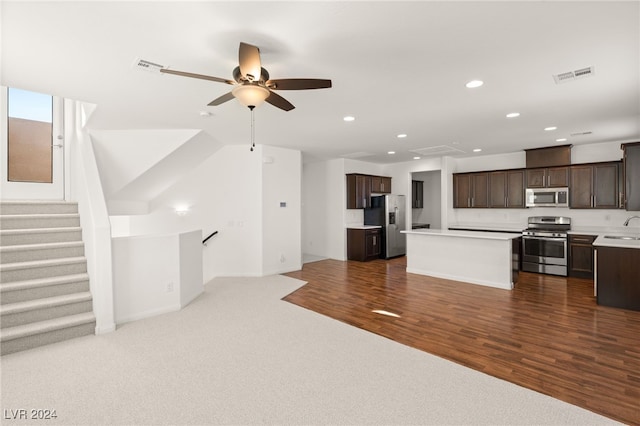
(516, 217)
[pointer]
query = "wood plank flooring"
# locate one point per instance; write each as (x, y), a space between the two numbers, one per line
(548, 334)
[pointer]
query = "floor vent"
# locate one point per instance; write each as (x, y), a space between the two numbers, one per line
(437, 150)
(573, 75)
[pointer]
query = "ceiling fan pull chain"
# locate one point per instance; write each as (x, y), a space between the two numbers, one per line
(253, 133)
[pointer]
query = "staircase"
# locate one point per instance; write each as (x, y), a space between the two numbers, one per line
(44, 285)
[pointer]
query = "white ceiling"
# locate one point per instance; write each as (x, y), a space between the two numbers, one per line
(398, 67)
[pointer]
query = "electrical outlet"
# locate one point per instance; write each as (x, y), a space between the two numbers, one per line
(169, 287)
(282, 259)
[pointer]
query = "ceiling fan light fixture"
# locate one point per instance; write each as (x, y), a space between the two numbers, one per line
(250, 94)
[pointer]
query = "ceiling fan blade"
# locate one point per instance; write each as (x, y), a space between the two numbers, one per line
(249, 58)
(200, 76)
(298, 84)
(222, 99)
(279, 102)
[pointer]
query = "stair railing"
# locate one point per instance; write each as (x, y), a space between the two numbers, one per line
(204, 242)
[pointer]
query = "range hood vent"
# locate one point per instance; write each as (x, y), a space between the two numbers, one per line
(357, 155)
(573, 75)
(588, 132)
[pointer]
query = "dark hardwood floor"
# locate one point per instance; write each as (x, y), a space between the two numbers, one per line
(548, 334)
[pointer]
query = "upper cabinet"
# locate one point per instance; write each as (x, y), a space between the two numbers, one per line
(417, 194)
(358, 191)
(380, 185)
(506, 189)
(471, 190)
(360, 187)
(551, 177)
(595, 186)
(631, 176)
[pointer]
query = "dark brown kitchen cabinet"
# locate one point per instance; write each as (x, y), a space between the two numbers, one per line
(471, 190)
(631, 176)
(363, 244)
(617, 275)
(581, 256)
(552, 177)
(358, 191)
(417, 194)
(595, 186)
(360, 187)
(380, 185)
(506, 189)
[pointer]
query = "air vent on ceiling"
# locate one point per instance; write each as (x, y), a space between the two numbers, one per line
(588, 132)
(437, 150)
(573, 75)
(141, 64)
(357, 155)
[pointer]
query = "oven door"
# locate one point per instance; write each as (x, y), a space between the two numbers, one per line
(544, 250)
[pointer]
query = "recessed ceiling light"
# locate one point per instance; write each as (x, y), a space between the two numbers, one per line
(548, 129)
(349, 118)
(416, 158)
(561, 140)
(513, 115)
(474, 83)
(402, 135)
(477, 150)
(391, 152)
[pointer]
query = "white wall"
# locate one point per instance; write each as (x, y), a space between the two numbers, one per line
(155, 274)
(222, 194)
(281, 225)
(237, 193)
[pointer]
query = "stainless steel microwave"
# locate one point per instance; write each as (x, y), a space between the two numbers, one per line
(547, 197)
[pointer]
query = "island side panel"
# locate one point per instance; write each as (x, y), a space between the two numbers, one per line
(474, 260)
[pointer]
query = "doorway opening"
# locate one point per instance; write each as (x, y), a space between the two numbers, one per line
(426, 199)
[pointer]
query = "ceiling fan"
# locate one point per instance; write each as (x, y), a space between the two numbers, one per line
(252, 83)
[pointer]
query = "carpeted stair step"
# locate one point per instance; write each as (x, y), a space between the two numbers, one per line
(13, 237)
(30, 252)
(20, 313)
(22, 337)
(31, 221)
(22, 271)
(21, 291)
(37, 207)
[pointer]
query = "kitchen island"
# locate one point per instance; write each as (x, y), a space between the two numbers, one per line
(485, 258)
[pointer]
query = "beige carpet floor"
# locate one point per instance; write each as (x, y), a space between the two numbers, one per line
(239, 355)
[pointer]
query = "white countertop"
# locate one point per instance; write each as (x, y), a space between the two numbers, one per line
(601, 241)
(364, 227)
(504, 227)
(463, 234)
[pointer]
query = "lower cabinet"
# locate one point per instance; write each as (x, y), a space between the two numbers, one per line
(617, 278)
(581, 256)
(363, 244)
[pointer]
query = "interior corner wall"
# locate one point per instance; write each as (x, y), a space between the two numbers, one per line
(222, 194)
(281, 210)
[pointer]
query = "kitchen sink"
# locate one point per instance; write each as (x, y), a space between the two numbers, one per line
(621, 237)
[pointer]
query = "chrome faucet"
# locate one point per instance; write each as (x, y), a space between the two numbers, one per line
(626, 222)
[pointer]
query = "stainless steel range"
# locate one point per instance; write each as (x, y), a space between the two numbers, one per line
(544, 245)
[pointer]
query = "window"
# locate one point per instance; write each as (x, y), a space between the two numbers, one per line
(30, 136)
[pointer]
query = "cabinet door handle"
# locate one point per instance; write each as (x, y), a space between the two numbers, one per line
(364, 202)
(375, 241)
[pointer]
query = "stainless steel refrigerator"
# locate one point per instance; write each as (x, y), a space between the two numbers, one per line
(388, 211)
